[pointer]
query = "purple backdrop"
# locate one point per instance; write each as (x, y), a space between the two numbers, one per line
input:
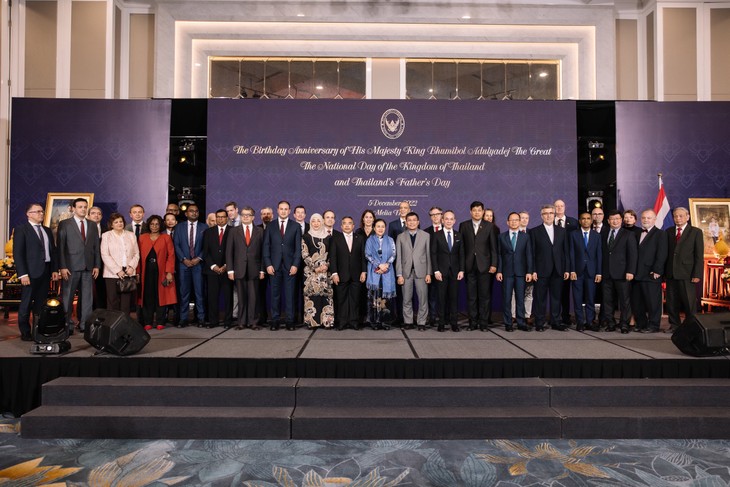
(688, 142)
(336, 154)
(116, 149)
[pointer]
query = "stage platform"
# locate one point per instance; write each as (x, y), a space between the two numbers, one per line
(408, 354)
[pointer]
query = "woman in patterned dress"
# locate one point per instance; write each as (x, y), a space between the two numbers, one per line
(318, 308)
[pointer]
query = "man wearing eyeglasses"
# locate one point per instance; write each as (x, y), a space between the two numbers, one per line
(436, 215)
(36, 260)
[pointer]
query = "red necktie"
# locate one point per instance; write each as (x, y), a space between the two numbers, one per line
(679, 233)
(248, 236)
(191, 241)
(281, 229)
(437, 228)
(220, 237)
(83, 231)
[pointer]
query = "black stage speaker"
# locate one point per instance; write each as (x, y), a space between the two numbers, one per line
(705, 336)
(115, 332)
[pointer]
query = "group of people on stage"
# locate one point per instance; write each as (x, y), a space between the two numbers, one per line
(369, 273)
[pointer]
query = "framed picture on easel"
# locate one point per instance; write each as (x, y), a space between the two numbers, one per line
(712, 216)
(58, 207)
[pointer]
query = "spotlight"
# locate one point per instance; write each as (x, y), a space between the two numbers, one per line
(594, 200)
(50, 332)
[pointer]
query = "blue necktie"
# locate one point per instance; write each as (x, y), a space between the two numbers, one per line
(448, 239)
(514, 240)
(585, 238)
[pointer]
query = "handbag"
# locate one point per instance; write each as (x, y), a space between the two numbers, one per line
(126, 284)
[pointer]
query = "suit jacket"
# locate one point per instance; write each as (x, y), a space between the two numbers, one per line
(416, 256)
(517, 262)
(181, 237)
(652, 255)
(571, 224)
(245, 261)
(348, 265)
(73, 253)
(283, 251)
(620, 259)
(144, 229)
(395, 229)
(28, 253)
(586, 261)
(431, 230)
(685, 259)
(549, 257)
(448, 262)
(480, 250)
(114, 252)
(213, 252)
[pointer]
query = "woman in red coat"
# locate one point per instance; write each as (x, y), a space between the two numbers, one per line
(156, 269)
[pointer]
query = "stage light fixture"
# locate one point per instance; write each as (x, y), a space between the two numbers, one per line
(594, 200)
(50, 332)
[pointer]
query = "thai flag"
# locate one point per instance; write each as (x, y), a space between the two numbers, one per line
(661, 205)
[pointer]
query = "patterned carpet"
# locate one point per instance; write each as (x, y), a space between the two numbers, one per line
(473, 463)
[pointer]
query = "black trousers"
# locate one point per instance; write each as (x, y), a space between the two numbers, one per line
(32, 298)
(479, 297)
(347, 304)
(219, 285)
(621, 300)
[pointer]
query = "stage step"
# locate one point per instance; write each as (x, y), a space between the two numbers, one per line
(642, 408)
(424, 409)
(338, 409)
(147, 408)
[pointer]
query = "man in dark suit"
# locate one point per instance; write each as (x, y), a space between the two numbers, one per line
(244, 262)
(95, 216)
(447, 263)
(216, 273)
(685, 264)
(137, 223)
(620, 251)
(586, 259)
(551, 256)
(36, 261)
(480, 260)
(263, 310)
(79, 261)
(489, 217)
(436, 226)
(514, 270)
(570, 224)
(348, 267)
(282, 259)
(188, 241)
(646, 295)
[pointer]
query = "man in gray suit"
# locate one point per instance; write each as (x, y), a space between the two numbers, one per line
(413, 268)
(79, 260)
(244, 262)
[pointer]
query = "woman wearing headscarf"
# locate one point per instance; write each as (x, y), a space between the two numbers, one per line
(380, 254)
(318, 308)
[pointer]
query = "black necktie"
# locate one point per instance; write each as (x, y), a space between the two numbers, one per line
(43, 242)
(136, 230)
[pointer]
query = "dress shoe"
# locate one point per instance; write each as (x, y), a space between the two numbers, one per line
(611, 328)
(559, 327)
(530, 320)
(274, 327)
(624, 330)
(595, 327)
(82, 328)
(509, 329)
(200, 324)
(524, 328)
(26, 337)
(71, 331)
(386, 327)
(455, 329)
(182, 324)
(421, 327)
(540, 328)
(440, 329)
(650, 330)
(580, 327)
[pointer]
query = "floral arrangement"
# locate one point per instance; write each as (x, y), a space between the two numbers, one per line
(725, 276)
(7, 269)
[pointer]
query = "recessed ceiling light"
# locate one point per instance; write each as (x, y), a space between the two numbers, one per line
(430, 90)
(197, 65)
(543, 74)
(466, 17)
(300, 14)
(320, 87)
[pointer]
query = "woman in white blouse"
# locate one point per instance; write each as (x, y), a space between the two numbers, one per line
(120, 254)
